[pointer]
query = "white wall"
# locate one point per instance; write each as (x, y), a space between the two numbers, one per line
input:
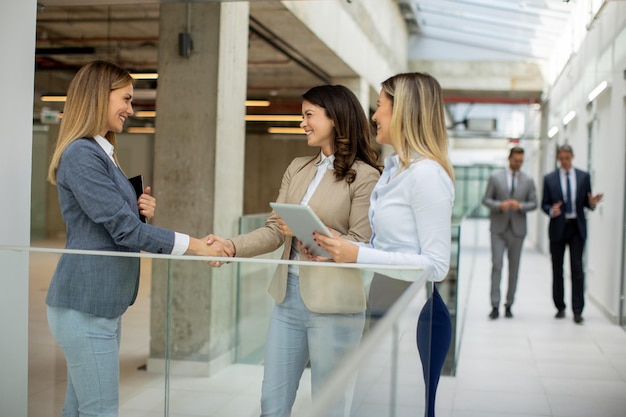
(17, 31)
(602, 56)
(372, 41)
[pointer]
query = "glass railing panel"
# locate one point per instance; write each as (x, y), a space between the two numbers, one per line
(141, 392)
(180, 350)
(203, 371)
(254, 306)
(385, 376)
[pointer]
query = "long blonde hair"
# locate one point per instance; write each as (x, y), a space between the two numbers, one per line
(86, 107)
(417, 120)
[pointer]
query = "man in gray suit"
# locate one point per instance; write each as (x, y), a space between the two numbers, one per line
(510, 194)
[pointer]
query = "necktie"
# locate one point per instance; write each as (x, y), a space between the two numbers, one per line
(512, 183)
(568, 195)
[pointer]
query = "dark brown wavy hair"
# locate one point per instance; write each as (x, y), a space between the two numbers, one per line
(353, 132)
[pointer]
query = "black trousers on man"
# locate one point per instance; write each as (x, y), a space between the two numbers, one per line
(576, 244)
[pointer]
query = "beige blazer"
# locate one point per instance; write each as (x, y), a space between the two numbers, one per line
(341, 206)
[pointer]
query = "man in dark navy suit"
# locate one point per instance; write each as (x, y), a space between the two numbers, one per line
(566, 192)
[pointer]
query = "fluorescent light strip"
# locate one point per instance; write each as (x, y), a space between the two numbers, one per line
(286, 130)
(145, 113)
(273, 118)
(145, 75)
(257, 103)
(553, 131)
(57, 99)
(140, 130)
(597, 91)
(569, 117)
(249, 103)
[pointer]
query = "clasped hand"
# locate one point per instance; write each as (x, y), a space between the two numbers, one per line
(510, 204)
(208, 247)
(227, 244)
(146, 204)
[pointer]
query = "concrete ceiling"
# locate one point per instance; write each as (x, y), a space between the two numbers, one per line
(71, 33)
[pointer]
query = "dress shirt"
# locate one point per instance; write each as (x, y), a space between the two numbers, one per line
(324, 164)
(107, 146)
(572, 183)
(410, 214)
(510, 177)
(181, 241)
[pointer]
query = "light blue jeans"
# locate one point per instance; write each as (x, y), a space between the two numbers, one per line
(91, 347)
(297, 335)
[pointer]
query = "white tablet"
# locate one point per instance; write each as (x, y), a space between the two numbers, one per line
(303, 221)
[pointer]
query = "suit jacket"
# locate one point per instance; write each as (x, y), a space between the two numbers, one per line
(552, 193)
(342, 207)
(99, 207)
(498, 191)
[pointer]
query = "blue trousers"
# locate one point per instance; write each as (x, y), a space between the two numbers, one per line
(434, 335)
(91, 347)
(297, 335)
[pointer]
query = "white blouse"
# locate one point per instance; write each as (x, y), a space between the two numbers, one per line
(411, 215)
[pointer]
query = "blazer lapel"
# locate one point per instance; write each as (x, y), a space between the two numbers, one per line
(300, 182)
(325, 187)
(507, 185)
(579, 186)
(557, 180)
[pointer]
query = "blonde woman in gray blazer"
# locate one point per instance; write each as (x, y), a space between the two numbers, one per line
(89, 293)
(320, 311)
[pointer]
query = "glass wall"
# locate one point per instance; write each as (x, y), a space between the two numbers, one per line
(471, 183)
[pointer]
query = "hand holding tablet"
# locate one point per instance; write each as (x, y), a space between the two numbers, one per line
(303, 221)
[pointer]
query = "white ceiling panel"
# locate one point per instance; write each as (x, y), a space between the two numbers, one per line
(525, 28)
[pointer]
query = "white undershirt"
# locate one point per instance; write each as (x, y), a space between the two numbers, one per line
(323, 165)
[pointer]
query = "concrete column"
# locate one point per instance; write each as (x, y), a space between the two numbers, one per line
(55, 226)
(198, 177)
(17, 31)
(367, 96)
(360, 87)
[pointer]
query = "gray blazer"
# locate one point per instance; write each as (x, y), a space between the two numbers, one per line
(498, 191)
(99, 207)
(341, 206)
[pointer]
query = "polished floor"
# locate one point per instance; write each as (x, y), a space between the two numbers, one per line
(532, 365)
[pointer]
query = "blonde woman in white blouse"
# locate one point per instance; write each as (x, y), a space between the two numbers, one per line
(411, 205)
(410, 212)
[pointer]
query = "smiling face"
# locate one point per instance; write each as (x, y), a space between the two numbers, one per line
(318, 127)
(120, 108)
(382, 118)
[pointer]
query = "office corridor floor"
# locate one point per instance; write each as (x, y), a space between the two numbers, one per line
(533, 364)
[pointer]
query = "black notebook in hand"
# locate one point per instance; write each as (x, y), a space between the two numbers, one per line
(137, 183)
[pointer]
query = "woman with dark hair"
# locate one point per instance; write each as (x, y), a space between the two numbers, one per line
(320, 311)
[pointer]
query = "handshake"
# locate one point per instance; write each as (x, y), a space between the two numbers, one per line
(211, 245)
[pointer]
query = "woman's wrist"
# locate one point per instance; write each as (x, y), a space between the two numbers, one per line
(233, 249)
